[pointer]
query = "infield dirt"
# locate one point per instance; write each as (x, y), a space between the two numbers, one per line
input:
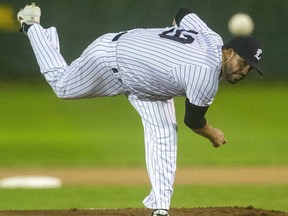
(219, 211)
(138, 176)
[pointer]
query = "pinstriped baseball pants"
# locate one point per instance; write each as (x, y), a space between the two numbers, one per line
(91, 76)
(160, 130)
(88, 76)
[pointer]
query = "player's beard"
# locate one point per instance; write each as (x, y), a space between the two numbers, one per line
(230, 75)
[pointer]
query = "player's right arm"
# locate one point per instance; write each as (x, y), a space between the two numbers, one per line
(215, 135)
(195, 119)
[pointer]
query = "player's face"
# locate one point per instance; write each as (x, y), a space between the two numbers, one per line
(234, 68)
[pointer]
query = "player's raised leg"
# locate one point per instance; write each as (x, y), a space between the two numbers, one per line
(88, 76)
(28, 16)
(160, 129)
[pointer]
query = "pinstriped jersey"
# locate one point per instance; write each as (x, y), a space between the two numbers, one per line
(182, 60)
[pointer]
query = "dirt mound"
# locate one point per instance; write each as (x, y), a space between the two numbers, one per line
(212, 211)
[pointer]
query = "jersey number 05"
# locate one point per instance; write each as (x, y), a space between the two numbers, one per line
(186, 35)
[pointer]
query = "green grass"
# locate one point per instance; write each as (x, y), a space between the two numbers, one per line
(38, 129)
(265, 197)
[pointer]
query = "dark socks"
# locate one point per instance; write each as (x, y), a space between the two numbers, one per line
(25, 27)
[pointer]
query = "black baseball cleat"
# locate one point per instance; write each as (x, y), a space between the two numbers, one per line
(160, 212)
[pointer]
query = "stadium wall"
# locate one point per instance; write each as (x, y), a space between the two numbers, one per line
(81, 22)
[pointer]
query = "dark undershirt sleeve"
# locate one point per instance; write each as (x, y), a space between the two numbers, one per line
(181, 14)
(194, 115)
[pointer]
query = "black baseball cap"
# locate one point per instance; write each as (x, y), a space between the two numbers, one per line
(249, 49)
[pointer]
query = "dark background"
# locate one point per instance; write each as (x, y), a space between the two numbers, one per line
(81, 22)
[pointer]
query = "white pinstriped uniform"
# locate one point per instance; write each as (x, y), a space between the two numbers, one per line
(150, 70)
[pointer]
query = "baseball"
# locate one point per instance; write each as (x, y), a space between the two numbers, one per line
(241, 24)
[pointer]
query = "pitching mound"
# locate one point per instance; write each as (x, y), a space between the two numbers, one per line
(212, 211)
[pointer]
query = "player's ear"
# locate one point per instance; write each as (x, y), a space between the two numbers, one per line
(229, 54)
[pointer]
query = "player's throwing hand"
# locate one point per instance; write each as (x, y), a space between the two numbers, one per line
(215, 135)
(218, 139)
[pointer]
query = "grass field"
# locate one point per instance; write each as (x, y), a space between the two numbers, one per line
(265, 197)
(39, 130)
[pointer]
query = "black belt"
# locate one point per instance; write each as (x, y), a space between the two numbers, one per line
(116, 38)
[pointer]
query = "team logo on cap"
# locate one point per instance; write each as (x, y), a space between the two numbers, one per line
(258, 54)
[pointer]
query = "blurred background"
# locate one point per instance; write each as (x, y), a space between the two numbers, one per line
(39, 130)
(80, 22)
(34, 121)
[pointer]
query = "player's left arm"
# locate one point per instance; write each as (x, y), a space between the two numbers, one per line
(195, 119)
(186, 19)
(180, 15)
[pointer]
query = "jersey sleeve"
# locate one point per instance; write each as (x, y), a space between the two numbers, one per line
(185, 19)
(181, 14)
(194, 115)
(200, 84)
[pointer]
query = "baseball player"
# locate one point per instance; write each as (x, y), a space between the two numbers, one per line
(150, 66)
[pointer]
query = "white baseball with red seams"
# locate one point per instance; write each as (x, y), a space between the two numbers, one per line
(241, 24)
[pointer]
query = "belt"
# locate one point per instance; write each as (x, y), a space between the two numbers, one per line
(116, 38)
(115, 69)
